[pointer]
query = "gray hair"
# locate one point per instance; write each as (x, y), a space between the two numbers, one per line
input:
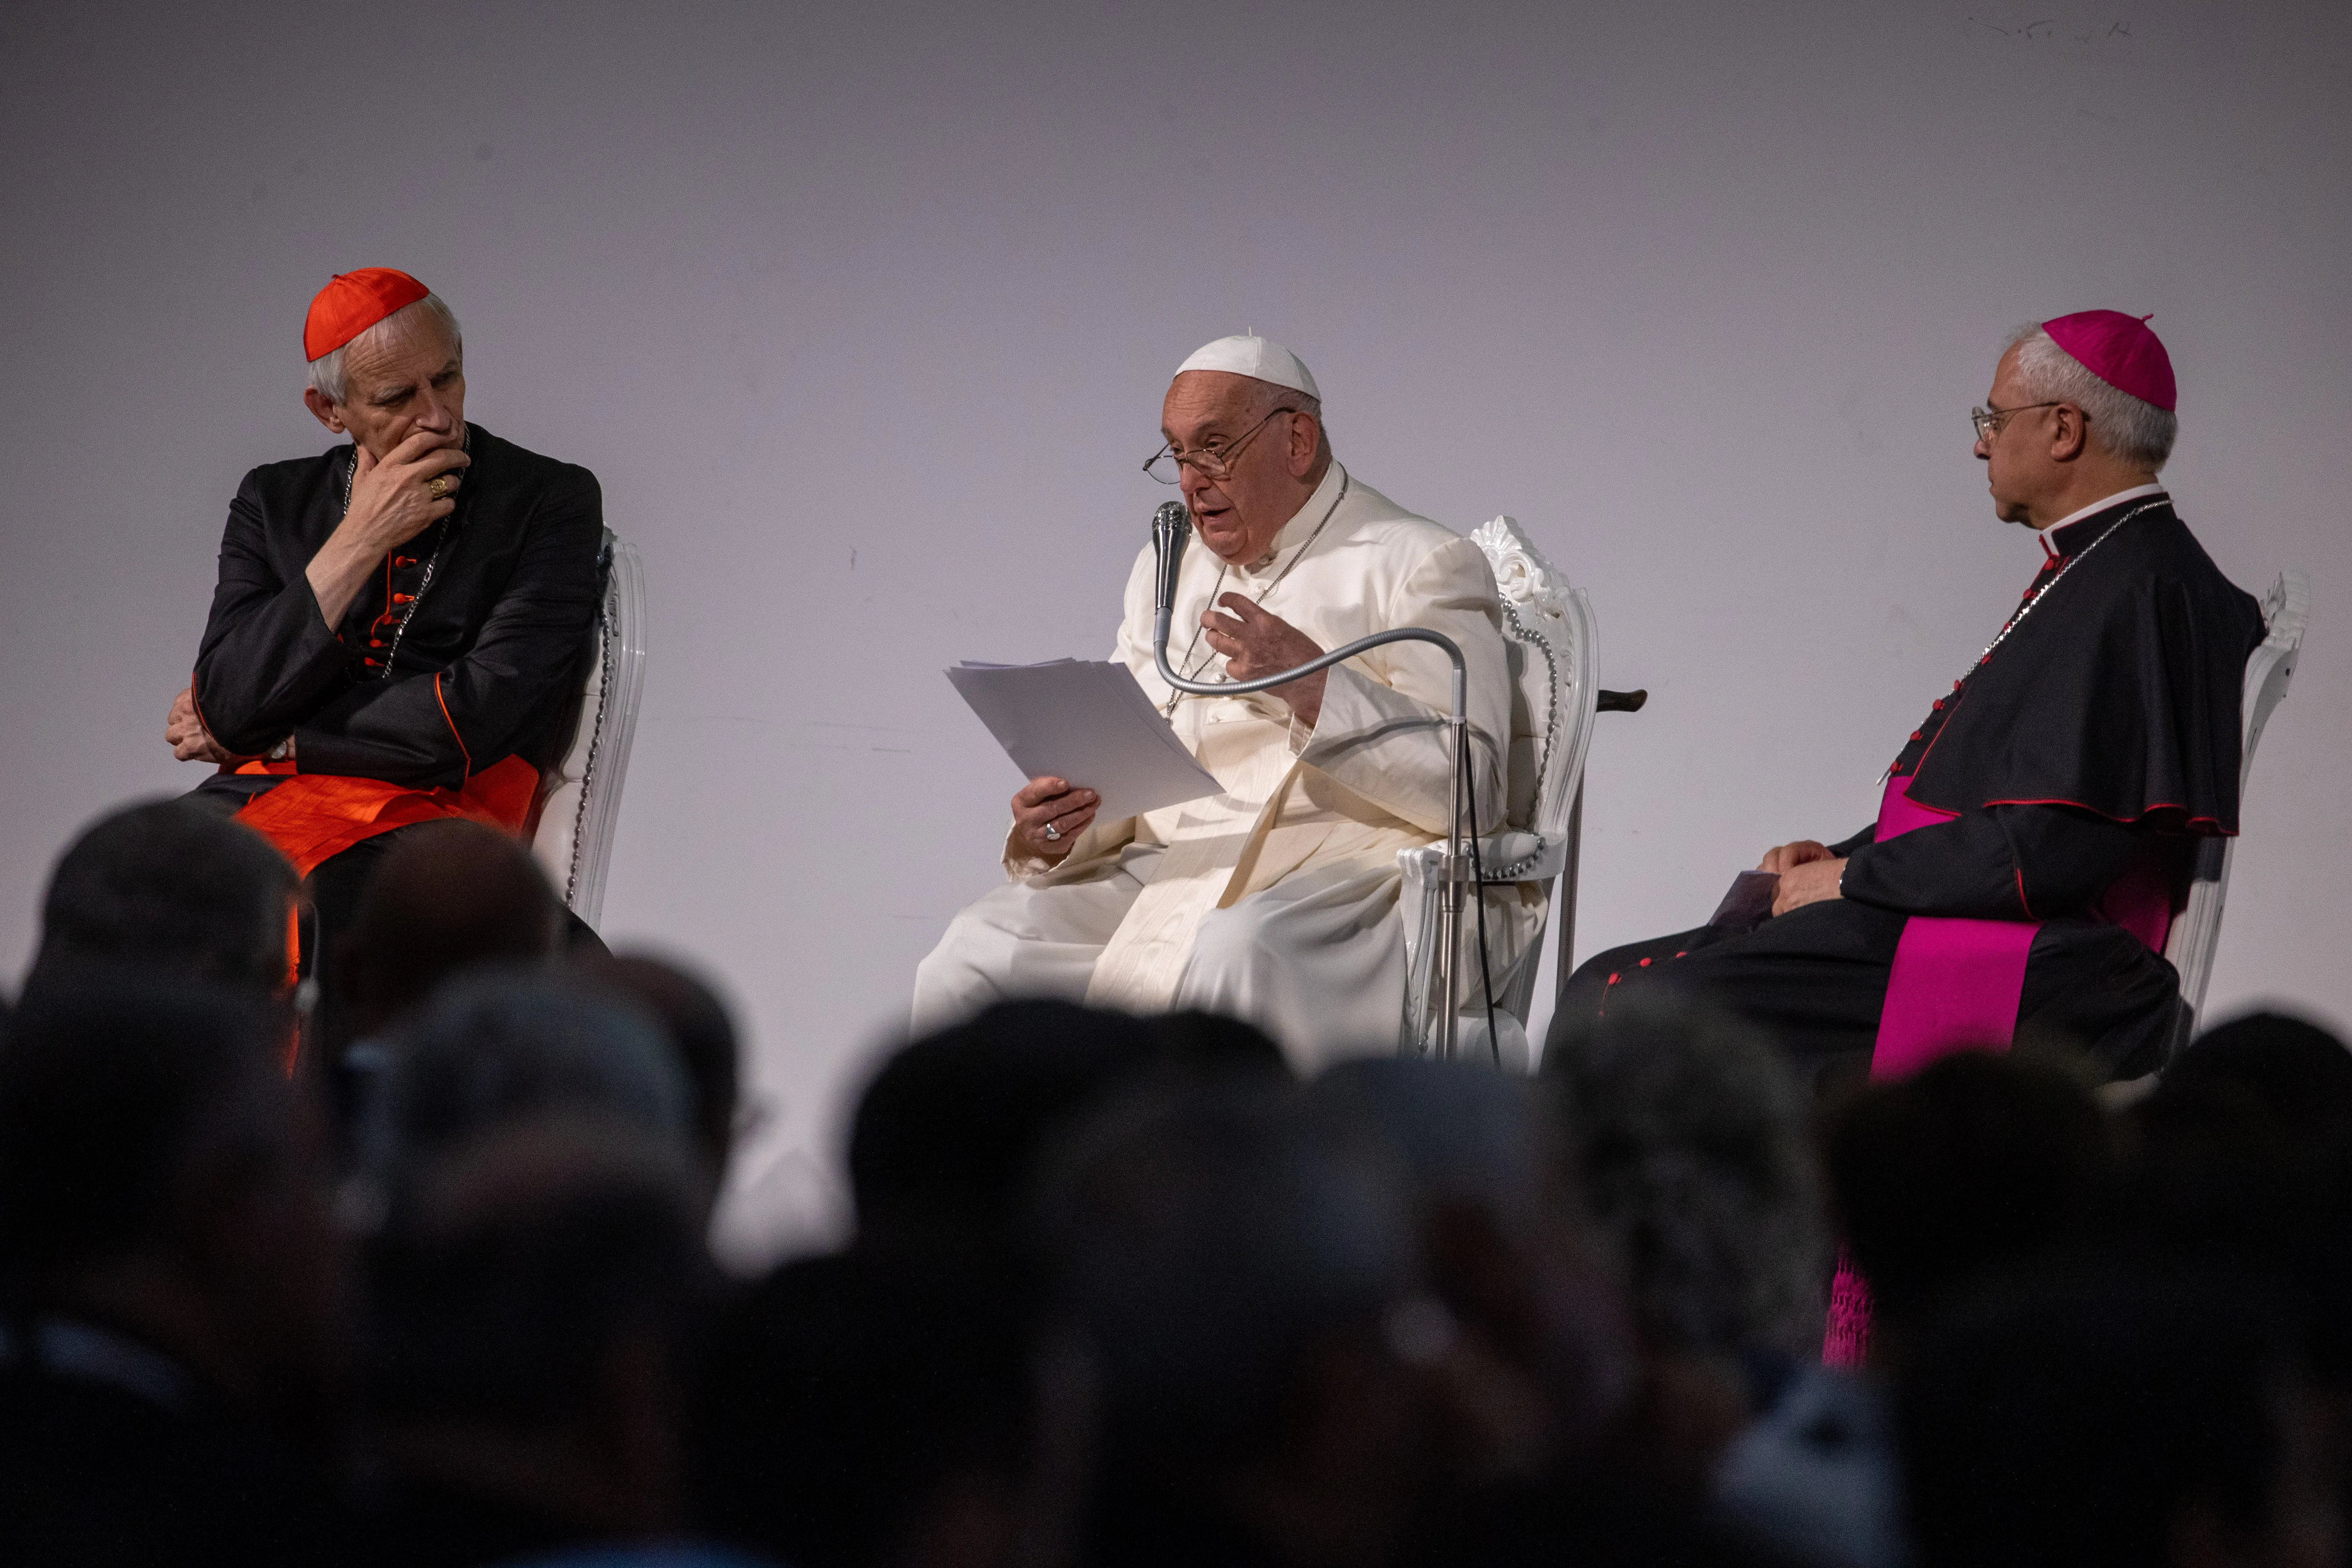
(1201, 1238)
(2123, 425)
(499, 1046)
(327, 378)
(1692, 1143)
(1267, 398)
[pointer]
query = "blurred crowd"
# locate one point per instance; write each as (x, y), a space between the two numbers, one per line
(417, 1274)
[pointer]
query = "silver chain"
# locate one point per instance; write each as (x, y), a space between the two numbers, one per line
(441, 538)
(2038, 595)
(1168, 709)
(2044, 592)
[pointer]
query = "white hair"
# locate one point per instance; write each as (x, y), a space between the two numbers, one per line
(2123, 425)
(327, 377)
(1269, 398)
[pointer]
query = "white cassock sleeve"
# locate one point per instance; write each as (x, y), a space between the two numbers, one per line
(1382, 730)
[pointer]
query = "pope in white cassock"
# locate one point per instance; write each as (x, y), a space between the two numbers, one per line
(1276, 900)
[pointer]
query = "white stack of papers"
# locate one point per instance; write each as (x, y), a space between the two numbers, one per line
(1090, 722)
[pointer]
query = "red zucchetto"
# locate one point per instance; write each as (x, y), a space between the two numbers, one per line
(351, 302)
(2120, 351)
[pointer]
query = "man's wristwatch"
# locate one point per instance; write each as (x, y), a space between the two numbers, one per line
(283, 751)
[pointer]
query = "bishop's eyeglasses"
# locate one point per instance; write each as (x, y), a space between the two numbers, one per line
(1213, 462)
(1988, 421)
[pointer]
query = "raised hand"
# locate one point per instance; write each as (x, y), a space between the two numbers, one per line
(1256, 642)
(393, 501)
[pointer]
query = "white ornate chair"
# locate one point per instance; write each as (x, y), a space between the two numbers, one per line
(1547, 627)
(580, 798)
(2197, 929)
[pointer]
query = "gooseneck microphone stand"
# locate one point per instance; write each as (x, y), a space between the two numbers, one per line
(1171, 531)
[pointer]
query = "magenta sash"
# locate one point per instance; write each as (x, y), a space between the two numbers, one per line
(1955, 986)
(1956, 982)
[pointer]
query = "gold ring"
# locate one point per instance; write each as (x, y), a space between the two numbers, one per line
(439, 487)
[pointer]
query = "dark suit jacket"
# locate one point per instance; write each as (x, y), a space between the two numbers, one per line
(99, 1475)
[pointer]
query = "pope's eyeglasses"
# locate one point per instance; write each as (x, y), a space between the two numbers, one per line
(1212, 463)
(1988, 421)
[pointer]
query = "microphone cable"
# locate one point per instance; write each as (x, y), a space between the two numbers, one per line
(1478, 896)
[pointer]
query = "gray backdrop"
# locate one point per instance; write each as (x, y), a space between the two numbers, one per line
(863, 315)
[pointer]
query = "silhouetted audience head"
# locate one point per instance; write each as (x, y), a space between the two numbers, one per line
(160, 1175)
(168, 887)
(857, 1411)
(2231, 1176)
(1244, 1277)
(698, 1024)
(1544, 1344)
(499, 1047)
(1977, 1164)
(1693, 1147)
(946, 1137)
(538, 1301)
(2300, 1072)
(2116, 1422)
(449, 896)
(1122, 1290)
(1212, 1045)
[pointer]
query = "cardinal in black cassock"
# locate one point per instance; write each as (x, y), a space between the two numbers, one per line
(2038, 827)
(400, 625)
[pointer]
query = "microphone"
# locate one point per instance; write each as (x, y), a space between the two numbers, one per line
(1171, 531)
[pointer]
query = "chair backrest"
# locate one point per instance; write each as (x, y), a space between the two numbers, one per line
(1547, 627)
(2197, 930)
(580, 798)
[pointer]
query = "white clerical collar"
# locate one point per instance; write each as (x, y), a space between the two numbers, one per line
(1316, 512)
(2099, 506)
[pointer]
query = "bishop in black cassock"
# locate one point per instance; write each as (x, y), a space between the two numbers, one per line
(2039, 825)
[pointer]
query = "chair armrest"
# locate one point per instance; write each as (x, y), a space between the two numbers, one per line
(1504, 859)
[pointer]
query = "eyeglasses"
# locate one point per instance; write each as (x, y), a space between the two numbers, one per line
(1988, 421)
(1213, 462)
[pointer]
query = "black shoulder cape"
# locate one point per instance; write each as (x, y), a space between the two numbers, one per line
(2118, 694)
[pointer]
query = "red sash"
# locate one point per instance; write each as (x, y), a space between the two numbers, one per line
(313, 817)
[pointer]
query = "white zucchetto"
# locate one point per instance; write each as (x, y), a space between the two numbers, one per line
(1255, 356)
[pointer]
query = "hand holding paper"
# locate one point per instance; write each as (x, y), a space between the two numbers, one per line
(1088, 723)
(1048, 813)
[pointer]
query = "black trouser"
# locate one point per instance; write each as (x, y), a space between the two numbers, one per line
(1816, 978)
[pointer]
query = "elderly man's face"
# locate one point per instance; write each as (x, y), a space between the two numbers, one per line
(2018, 457)
(1273, 470)
(397, 383)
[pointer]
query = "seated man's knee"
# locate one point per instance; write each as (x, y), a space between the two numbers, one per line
(1232, 939)
(948, 976)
